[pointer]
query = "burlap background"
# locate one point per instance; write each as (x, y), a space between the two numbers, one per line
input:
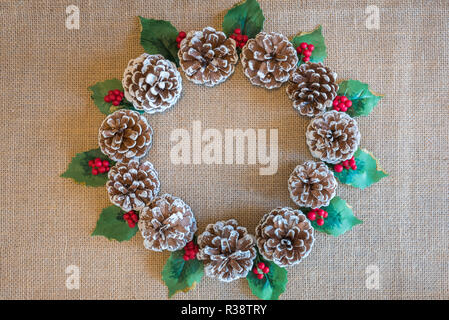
(47, 117)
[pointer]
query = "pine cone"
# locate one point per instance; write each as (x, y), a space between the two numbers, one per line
(284, 236)
(207, 57)
(132, 185)
(312, 184)
(125, 135)
(167, 223)
(152, 83)
(333, 137)
(227, 249)
(269, 59)
(312, 88)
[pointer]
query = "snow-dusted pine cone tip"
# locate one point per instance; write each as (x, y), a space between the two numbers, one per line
(312, 88)
(207, 57)
(227, 249)
(312, 185)
(333, 137)
(167, 223)
(269, 59)
(152, 83)
(125, 135)
(132, 185)
(285, 236)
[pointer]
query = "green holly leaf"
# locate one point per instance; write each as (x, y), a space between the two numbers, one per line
(273, 283)
(112, 225)
(159, 37)
(367, 173)
(316, 38)
(247, 16)
(339, 220)
(363, 99)
(80, 171)
(180, 275)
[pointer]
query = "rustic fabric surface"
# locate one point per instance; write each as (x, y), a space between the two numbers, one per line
(48, 117)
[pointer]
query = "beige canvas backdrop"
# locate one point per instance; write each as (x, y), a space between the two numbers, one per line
(48, 116)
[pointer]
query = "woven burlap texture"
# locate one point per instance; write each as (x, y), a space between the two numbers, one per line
(48, 117)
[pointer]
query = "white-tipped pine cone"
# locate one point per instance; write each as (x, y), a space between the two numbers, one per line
(269, 59)
(125, 135)
(333, 137)
(132, 185)
(312, 185)
(285, 236)
(207, 57)
(227, 249)
(167, 223)
(152, 83)
(312, 88)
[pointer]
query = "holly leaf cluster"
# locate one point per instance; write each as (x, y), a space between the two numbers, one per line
(247, 16)
(272, 285)
(80, 171)
(367, 173)
(112, 225)
(316, 38)
(363, 99)
(181, 275)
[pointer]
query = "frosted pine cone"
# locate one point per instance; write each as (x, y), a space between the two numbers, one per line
(312, 185)
(312, 88)
(167, 223)
(207, 57)
(132, 185)
(269, 59)
(333, 137)
(152, 83)
(227, 249)
(285, 236)
(125, 135)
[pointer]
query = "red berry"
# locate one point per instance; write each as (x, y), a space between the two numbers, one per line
(237, 31)
(131, 224)
(134, 217)
(192, 255)
(105, 163)
(118, 98)
(338, 168)
(178, 39)
(110, 91)
(343, 99)
(102, 169)
(344, 109)
(239, 37)
(348, 103)
(111, 96)
(241, 45)
(352, 161)
(354, 167)
(311, 47)
(115, 103)
(116, 92)
(336, 108)
(178, 45)
(335, 103)
(305, 59)
(233, 36)
(98, 162)
(307, 53)
(107, 99)
(91, 163)
(261, 265)
(255, 271)
(260, 276)
(245, 37)
(182, 34)
(299, 50)
(311, 215)
(320, 222)
(107, 169)
(303, 45)
(266, 270)
(325, 214)
(94, 171)
(346, 164)
(185, 257)
(320, 212)
(341, 105)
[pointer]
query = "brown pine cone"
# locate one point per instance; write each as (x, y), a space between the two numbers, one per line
(312, 88)
(312, 184)
(132, 185)
(269, 59)
(284, 236)
(333, 137)
(207, 57)
(167, 223)
(125, 135)
(152, 83)
(227, 249)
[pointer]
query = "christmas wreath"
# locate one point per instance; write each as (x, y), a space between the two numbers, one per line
(225, 250)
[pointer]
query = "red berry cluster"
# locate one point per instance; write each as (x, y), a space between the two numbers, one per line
(318, 214)
(190, 251)
(132, 218)
(114, 96)
(342, 103)
(179, 38)
(99, 166)
(347, 164)
(240, 38)
(305, 49)
(260, 270)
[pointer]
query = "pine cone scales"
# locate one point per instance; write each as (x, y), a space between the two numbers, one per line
(285, 236)
(269, 59)
(152, 83)
(207, 57)
(312, 185)
(227, 249)
(333, 137)
(132, 185)
(167, 223)
(312, 88)
(125, 135)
